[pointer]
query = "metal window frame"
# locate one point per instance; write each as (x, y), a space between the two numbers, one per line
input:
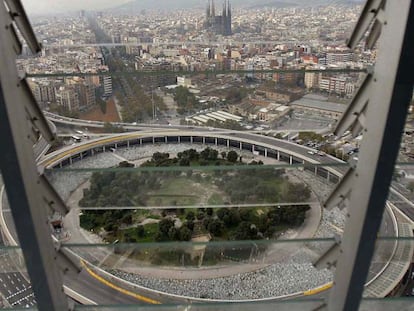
(392, 89)
(22, 181)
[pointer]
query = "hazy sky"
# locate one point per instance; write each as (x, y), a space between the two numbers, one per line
(59, 6)
(50, 6)
(45, 6)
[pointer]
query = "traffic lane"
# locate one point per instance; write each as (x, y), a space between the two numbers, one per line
(383, 249)
(402, 189)
(8, 219)
(283, 144)
(387, 226)
(299, 149)
(93, 289)
(406, 208)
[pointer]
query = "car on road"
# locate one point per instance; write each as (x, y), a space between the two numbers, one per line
(311, 152)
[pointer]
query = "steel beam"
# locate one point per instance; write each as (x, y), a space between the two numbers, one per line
(20, 18)
(385, 119)
(21, 179)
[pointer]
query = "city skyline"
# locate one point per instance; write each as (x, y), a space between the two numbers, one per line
(53, 7)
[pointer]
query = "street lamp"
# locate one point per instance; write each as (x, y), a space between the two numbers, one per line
(153, 106)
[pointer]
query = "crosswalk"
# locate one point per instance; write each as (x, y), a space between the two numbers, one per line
(15, 287)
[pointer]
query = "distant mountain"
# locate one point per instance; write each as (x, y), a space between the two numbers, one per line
(297, 3)
(273, 4)
(138, 5)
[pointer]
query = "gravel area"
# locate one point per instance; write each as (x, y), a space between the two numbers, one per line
(134, 153)
(66, 182)
(294, 275)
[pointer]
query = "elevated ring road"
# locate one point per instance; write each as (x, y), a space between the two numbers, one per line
(265, 146)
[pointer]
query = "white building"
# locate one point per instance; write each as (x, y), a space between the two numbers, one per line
(107, 85)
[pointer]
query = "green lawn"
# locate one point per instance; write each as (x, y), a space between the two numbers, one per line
(215, 199)
(150, 231)
(178, 191)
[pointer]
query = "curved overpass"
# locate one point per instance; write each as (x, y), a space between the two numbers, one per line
(265, 146)
(268, 147)
(58, 119)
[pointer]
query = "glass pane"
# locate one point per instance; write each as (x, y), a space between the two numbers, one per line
(283, 305)
(215, 270)
(388, 304)
(393, 257)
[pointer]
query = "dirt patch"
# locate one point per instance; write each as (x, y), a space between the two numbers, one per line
(96, 113)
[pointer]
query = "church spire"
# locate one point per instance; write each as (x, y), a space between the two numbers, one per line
(208, 9)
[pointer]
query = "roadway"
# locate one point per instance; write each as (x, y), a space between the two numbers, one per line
(396, 196)
(61, 120)
(91, 286)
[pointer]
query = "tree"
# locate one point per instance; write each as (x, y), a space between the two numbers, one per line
(185, 99)
(185, 233)
(173, 234)
(125, 164)
(109, 226)
(223, 154)
(140, 231)
(164, 225)
(307, 136)
(159, 157)
(200, 215)
(246, 231)
(190, 216)
(232, 156)
(235, 95)
(127, 219)
(216, 227)
(184, 162)
(234, 216)
(222, 212)
(209, 154)
(246, 214)
(189, 224)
